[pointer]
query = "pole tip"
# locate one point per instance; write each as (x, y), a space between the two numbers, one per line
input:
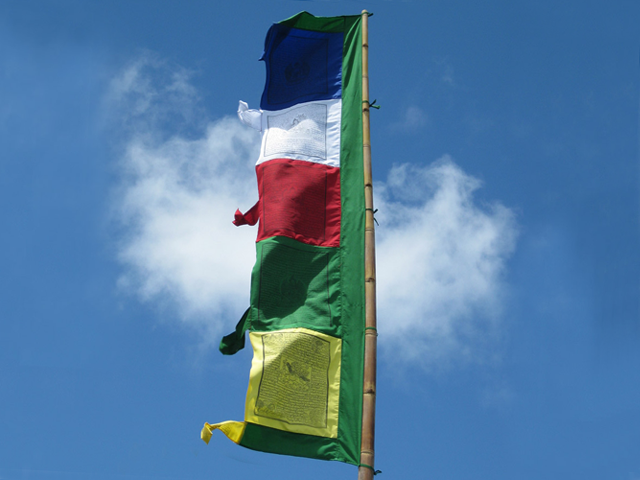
(364, 12)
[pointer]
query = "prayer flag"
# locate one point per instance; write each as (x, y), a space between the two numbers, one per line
(306, 317)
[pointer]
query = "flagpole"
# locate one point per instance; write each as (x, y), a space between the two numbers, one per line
(366, 469)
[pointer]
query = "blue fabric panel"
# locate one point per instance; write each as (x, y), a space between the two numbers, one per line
(302, 66)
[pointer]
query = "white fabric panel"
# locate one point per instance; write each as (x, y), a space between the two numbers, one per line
(307, 131)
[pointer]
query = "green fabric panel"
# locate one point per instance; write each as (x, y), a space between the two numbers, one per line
(295, 285)
(334, 274)
(234, 342)
(271, 440)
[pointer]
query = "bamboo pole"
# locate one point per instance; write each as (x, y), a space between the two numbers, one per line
(366, 470)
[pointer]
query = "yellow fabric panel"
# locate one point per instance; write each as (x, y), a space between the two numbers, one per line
(294, 383)
(233, 430)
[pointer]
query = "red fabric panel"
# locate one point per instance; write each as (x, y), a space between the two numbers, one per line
(299, 200)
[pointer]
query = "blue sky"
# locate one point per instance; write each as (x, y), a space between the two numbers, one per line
(507, 178)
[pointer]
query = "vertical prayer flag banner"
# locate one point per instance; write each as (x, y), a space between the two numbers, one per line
(306, 318)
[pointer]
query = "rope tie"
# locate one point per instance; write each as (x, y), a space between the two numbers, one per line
(372, 104)
(375, 472)
(374, 212)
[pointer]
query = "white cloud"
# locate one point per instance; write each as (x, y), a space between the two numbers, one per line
(176, 202)
(447, 75)
(441, 257)
(153, 96)
(413, 119)
(497, 396)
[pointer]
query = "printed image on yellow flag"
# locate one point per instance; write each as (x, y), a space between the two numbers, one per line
(295, 381)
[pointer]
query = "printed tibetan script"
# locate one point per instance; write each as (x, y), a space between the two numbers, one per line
(295, 380)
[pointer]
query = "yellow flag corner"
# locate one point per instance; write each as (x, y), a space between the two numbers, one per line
(233, 430)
